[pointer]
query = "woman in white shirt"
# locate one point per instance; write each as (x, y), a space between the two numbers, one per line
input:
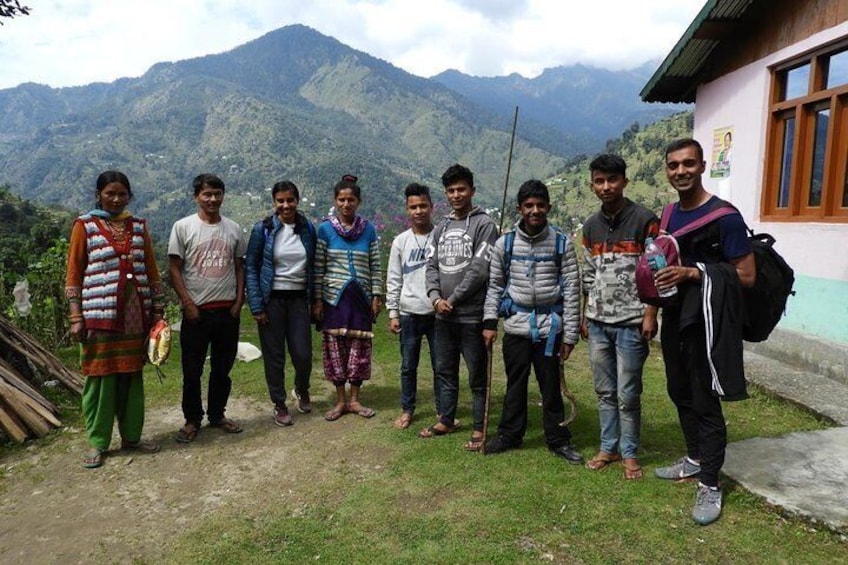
(279, 280)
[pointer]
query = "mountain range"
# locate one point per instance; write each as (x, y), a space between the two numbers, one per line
(587, 104)
(300, 105)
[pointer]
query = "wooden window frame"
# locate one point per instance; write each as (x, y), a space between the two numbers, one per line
(804, 109)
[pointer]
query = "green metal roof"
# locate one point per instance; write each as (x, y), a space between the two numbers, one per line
(677, 78)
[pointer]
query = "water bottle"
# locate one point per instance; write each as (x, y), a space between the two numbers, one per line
(656, 261)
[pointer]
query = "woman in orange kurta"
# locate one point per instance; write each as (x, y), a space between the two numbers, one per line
(114, 294)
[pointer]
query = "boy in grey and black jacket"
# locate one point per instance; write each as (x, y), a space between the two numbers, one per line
(458, 268)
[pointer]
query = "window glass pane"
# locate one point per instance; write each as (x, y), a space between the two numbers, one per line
(797, 82)
(786, 162)
(845, 193)
(819, 144)
(837, 70)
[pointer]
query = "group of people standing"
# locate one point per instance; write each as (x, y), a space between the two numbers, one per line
(449, 282)
(289, 272)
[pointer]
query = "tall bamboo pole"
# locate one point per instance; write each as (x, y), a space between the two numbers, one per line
(500, 230)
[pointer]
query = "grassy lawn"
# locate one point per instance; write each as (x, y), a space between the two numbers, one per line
(430, 502)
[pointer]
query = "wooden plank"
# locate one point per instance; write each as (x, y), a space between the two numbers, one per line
(22, 343)
(841, 11)
(8, 373)
(32, 415)
(30, 405)
(11, 425)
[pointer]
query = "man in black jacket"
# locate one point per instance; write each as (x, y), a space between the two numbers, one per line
(692, 367)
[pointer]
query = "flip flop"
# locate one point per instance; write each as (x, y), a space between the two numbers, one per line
(142, 445)
(92, 459)
(334, 414)
(474, 444)
(403, 421)
(602, 460)
(456, 421)
(632, 469)
(363, 411)
(188, 433)
(227, 425)
(433, 431)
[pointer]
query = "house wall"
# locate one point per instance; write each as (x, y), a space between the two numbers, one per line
(817, 251)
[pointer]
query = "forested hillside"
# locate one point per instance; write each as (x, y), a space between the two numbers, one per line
(33, 247)
(27, 229)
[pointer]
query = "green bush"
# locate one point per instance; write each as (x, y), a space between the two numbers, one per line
(47, 321)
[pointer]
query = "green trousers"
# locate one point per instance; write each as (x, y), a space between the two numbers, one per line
(105, 398)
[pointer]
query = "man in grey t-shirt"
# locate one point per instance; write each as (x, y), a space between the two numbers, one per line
(206, 263)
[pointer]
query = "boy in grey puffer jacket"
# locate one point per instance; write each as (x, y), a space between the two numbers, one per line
(535, 285)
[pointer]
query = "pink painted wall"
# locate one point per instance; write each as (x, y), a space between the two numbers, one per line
(739, 100)
(817, 251)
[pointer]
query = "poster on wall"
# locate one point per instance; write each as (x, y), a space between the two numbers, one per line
(721, 153)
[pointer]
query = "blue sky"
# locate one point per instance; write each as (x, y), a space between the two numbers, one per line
(77, 42)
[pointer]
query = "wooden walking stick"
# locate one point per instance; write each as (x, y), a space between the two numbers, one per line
(488, 393)
(489, 348)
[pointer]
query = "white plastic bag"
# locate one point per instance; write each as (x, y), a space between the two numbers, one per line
(22, 296)
(247, 352)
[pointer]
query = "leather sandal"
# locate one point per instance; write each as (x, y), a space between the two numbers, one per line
(229, 426)
(475, 443)
(632, 469)
(188, 433)
(602, 460)
(433, 431)
(142, 446)
(335, 413)
(403, 421)
(360, 410)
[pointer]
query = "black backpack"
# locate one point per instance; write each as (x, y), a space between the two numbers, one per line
(765, 302)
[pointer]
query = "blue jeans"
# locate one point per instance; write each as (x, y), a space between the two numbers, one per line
(617, 354)
(413, 329)
(452, 340)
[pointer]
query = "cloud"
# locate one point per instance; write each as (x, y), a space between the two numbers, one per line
(81, 41)
(496, 10)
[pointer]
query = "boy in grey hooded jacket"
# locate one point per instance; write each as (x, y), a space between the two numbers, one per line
(457, 275)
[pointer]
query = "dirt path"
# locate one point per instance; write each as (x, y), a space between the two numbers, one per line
(54, 511)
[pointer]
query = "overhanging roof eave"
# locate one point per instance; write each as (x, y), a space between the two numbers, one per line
(647, 94)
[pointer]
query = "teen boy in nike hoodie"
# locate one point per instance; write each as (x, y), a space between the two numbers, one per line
(457, 277)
